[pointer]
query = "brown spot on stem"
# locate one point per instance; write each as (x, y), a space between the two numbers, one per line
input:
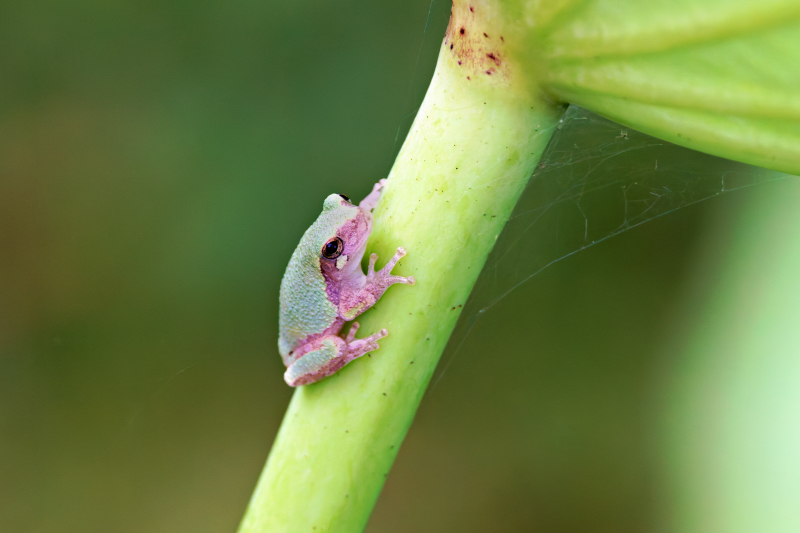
(468, 42)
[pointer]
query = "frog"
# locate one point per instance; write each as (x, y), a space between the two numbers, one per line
(324, 287)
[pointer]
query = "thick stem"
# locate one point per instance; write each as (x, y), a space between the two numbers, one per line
(473, 146)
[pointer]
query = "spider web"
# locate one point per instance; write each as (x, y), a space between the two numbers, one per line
(596, 179)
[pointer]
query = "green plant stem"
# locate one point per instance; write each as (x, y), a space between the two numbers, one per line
(469, 154)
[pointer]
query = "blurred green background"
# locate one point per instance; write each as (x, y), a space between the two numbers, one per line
(158, 164)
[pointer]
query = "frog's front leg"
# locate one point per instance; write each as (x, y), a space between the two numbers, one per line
(371, 201)
(355, 302)
(328, 354)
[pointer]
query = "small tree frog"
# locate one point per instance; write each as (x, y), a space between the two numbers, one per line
(324, 287)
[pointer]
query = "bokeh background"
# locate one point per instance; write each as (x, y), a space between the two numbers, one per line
(158, 164)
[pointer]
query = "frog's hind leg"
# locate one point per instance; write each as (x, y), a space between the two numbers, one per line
(322, 360)
(329, 354)
(357, 348)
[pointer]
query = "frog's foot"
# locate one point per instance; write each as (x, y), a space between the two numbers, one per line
(328, 355)
(351, 335)
(371, 201)
(357, 348)
(383, 278)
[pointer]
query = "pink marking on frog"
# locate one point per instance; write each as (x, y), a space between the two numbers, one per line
(338, 277)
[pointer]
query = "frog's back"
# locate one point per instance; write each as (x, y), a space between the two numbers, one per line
(305, 307)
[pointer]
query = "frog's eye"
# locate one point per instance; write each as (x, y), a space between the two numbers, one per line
(333, 248)
(345, 197)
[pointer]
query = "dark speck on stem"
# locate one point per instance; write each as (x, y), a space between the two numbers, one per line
(451, 47)
(484, 34)
(461, 31)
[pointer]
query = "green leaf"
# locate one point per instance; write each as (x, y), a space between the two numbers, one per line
(731, 379)
(718, 76)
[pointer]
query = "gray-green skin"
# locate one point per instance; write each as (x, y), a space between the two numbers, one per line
(320, 290)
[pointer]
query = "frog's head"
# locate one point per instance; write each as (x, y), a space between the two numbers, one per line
(342, 243)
